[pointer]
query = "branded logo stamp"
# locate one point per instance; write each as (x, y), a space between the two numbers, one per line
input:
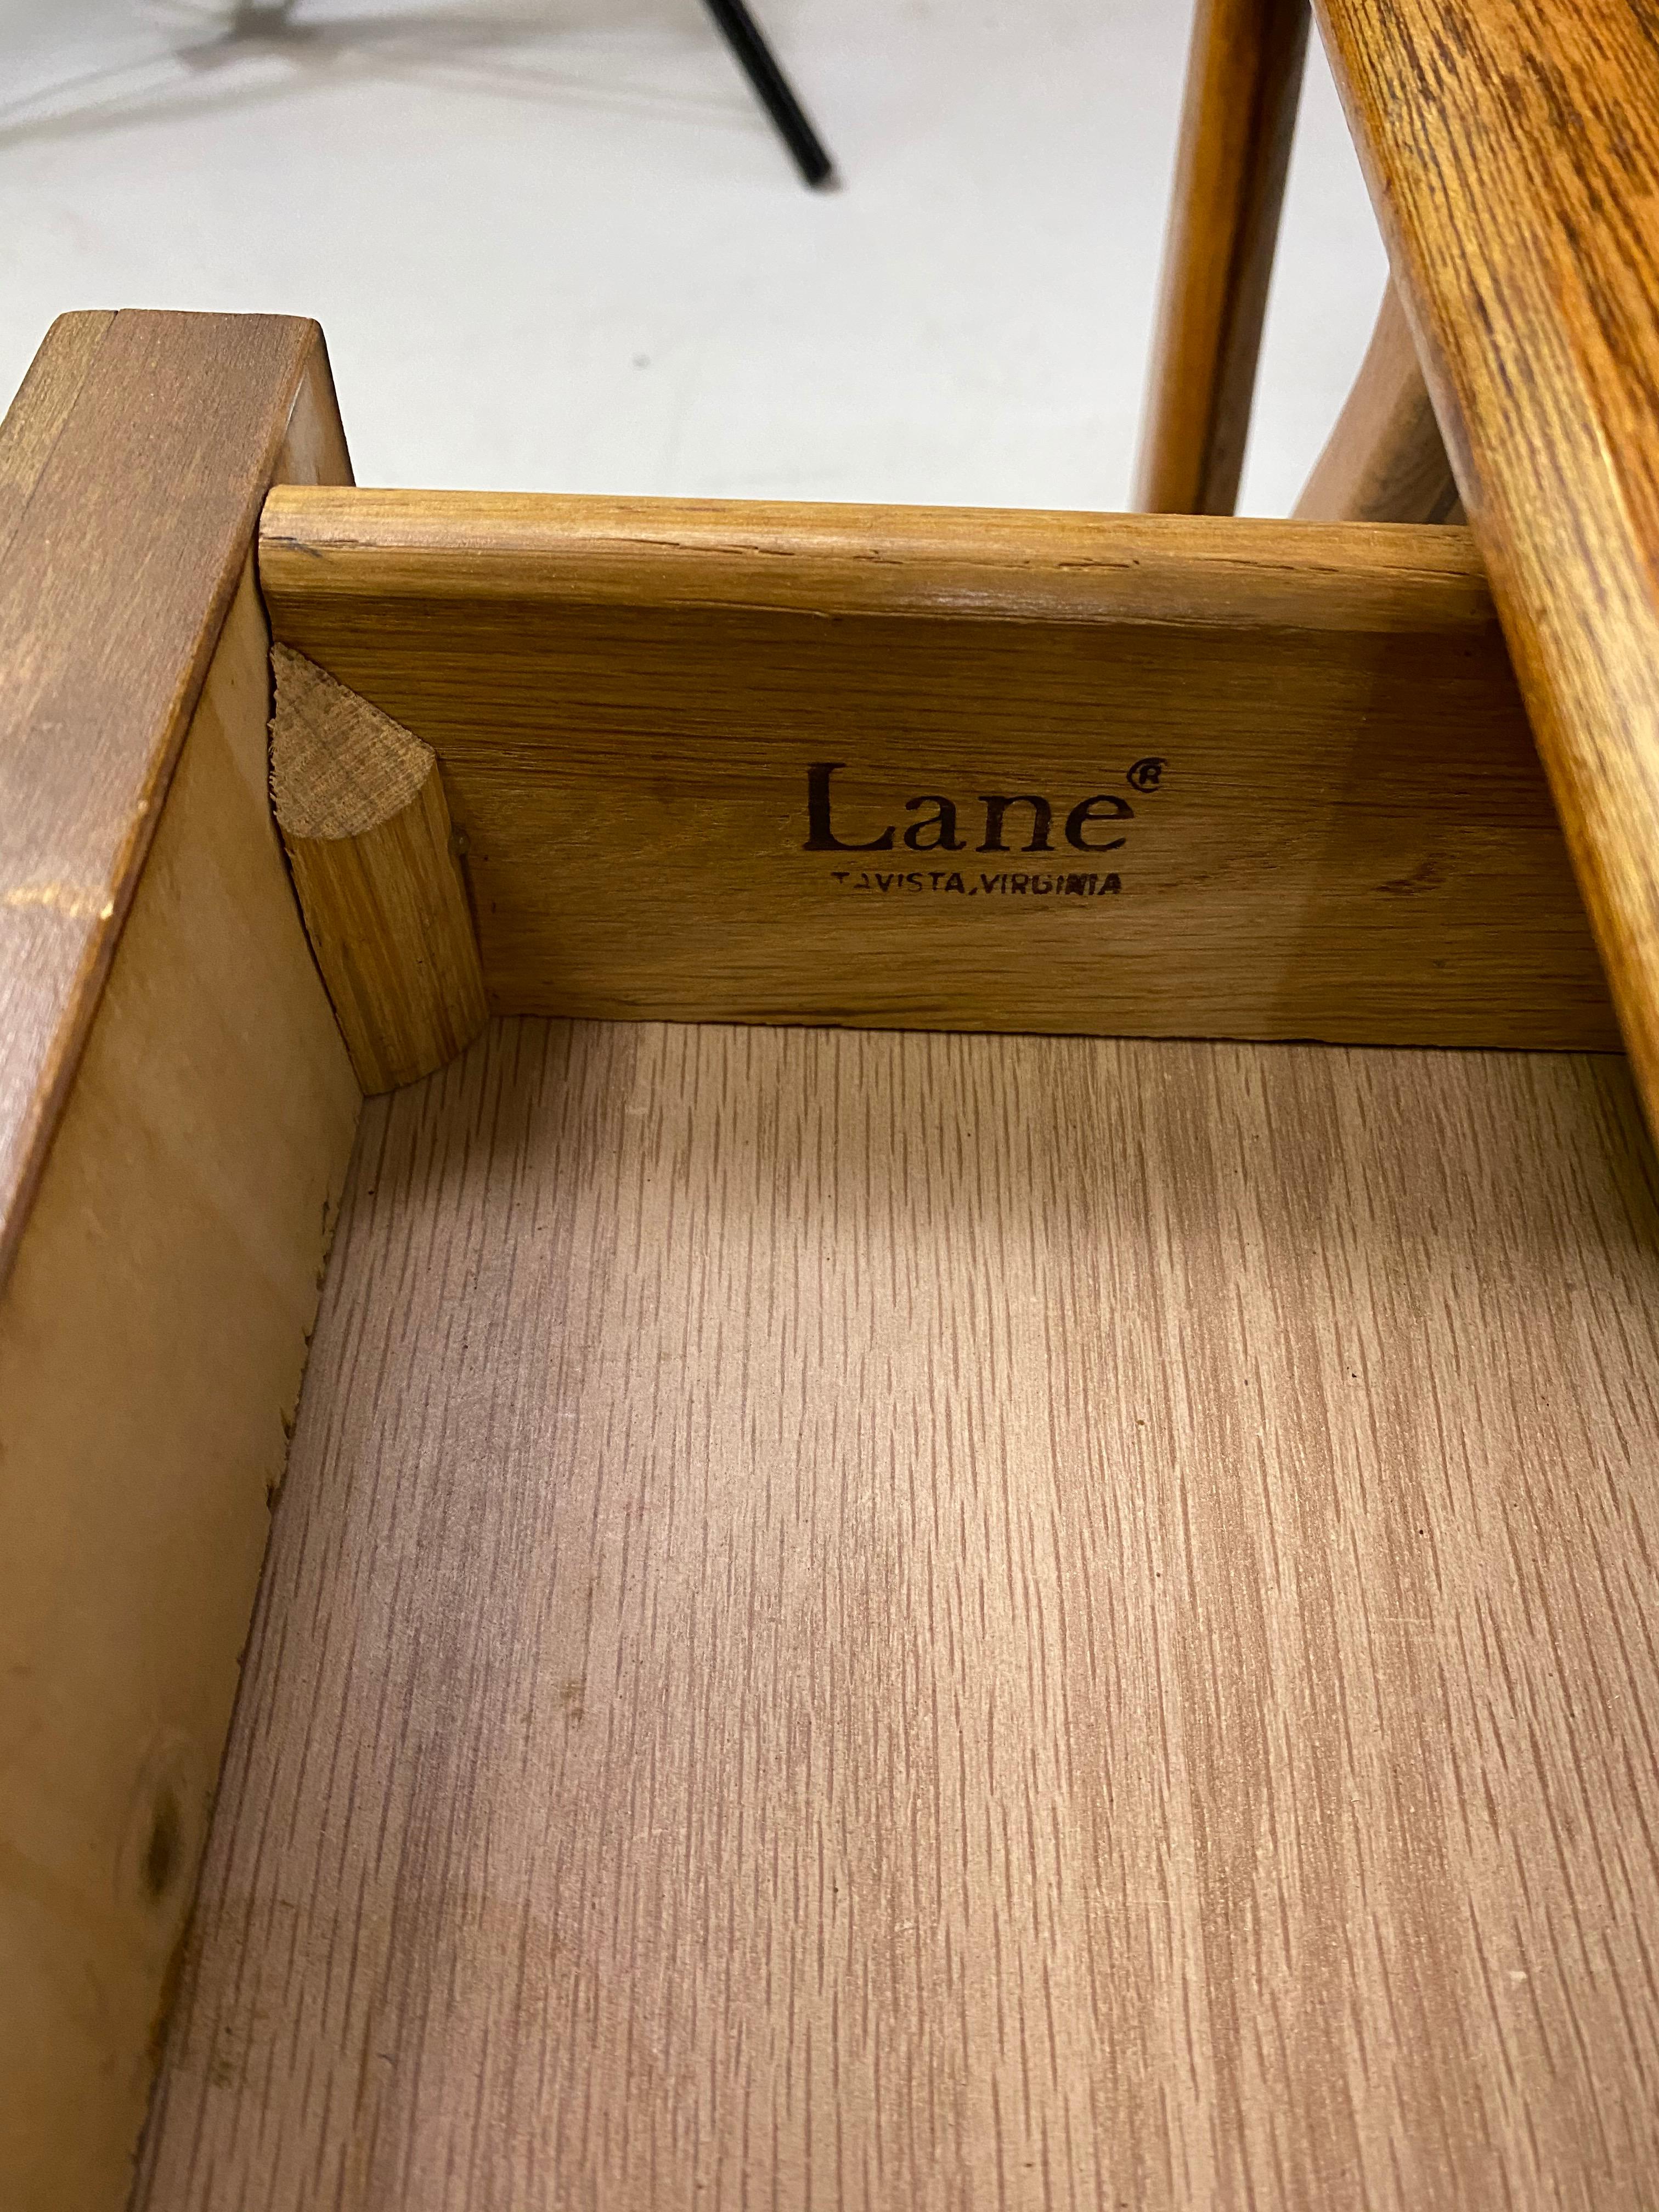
(1025, 821)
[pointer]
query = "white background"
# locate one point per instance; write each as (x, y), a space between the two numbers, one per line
(555, 245)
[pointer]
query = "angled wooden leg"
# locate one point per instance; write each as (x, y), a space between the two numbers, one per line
(1385, 460)
(1243, 77)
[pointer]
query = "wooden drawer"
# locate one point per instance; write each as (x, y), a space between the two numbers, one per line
(945, 1543)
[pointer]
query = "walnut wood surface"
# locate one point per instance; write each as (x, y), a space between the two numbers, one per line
(877, 1620)
(153, 1334)
(131, 470)
(1348, 836)
(1244, 79)
(1385, 459)
(1513, 152)
(362, 809)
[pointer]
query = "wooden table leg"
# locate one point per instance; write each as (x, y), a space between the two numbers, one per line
(1244, 78)
(1385, 459)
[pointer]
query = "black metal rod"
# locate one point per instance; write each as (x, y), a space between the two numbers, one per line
(742, 33)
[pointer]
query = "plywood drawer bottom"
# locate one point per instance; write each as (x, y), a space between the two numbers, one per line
(863, 1619)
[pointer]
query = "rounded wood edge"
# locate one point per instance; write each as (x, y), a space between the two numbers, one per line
(360, 806)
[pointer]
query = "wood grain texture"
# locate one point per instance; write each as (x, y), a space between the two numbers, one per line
(1347, 834)
(1385, 460)
(35, 420)
(360, 806)
(1243, 81)
(138, 455)
(152, 1337)
(877, 1620)
(1512, 148)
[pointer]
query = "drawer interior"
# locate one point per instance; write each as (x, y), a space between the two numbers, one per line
(966, 1529)
(865, 1618)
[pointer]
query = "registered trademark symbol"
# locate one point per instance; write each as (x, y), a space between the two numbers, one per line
(1147, 774)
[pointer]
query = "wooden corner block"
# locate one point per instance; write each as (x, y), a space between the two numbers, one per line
(362, 809)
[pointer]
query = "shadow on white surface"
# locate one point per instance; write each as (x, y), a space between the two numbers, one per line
(558, 246)
(267, 49)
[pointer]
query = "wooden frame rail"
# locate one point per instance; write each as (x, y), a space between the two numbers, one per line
(176, 1113)
(123, 418)
(1045, 772)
